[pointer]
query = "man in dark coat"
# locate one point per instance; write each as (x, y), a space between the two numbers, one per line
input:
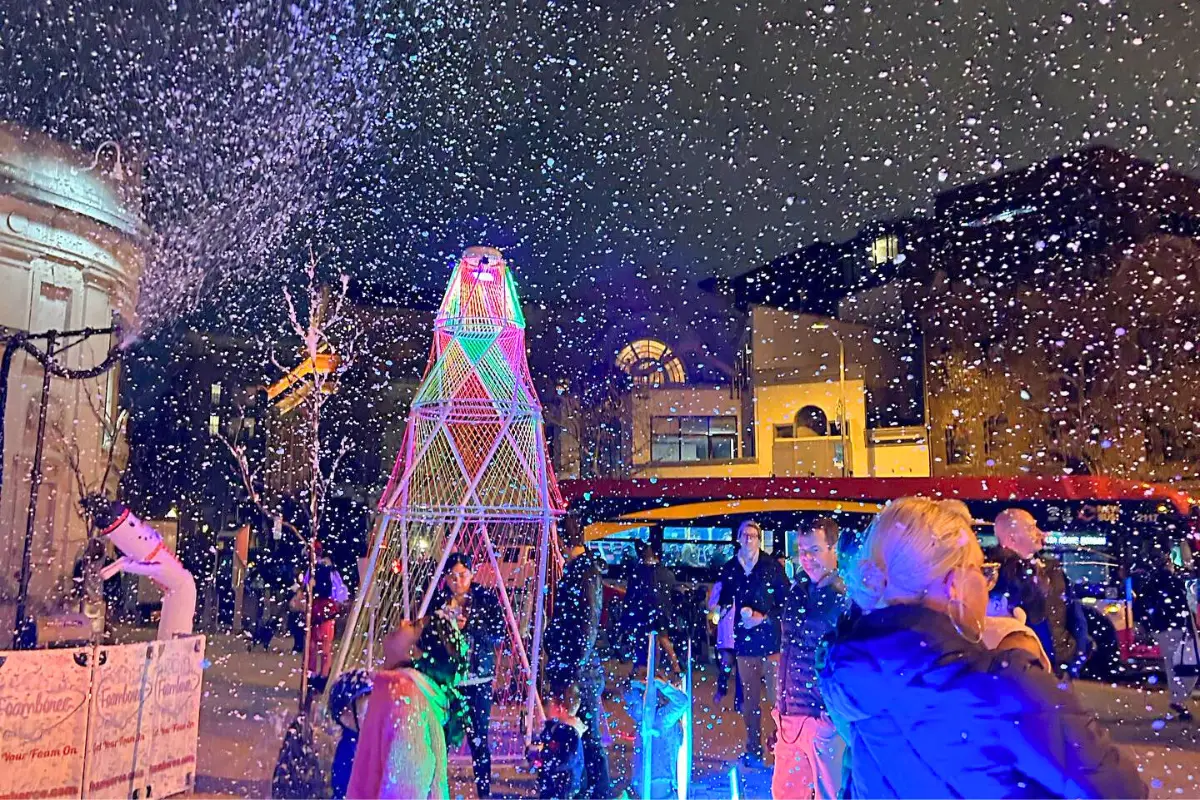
(754, 585)
(571, 656)
(476, 610)
(649, 606)
(1042, 588)
(808, 750)
(1163, 606)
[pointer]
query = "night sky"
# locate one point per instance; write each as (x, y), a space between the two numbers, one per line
(617, 150)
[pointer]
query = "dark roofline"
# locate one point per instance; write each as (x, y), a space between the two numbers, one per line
(1099, 160)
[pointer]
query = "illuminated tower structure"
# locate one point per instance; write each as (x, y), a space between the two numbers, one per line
(472, 475)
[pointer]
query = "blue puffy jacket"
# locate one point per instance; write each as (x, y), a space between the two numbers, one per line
(925, 713)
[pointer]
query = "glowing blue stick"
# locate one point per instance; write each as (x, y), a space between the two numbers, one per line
(649, 707)
(684, 767)
(733, 784)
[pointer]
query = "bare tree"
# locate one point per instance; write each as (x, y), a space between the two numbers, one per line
(92, 476)
(318, 321)
(1099, 364)
(595, 414)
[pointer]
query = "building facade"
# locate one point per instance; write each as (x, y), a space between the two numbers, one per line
(1044, 321)
(70, 258)
(798, 404)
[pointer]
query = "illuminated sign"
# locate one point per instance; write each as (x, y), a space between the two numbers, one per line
(1076, 540)
(1102, 513)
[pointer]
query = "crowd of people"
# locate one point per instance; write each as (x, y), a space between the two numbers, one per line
(902, 661)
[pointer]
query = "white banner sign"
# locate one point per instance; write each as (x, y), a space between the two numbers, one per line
(43, 722)
(120, 722)
(108, 721)
(178, 675)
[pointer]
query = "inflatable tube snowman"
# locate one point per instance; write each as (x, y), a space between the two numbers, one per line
(144, 553)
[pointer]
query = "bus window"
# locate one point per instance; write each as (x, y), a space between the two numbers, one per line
(622, 548)
(1085, 558)
(1082, 567)
(616, 552)
(697, 547)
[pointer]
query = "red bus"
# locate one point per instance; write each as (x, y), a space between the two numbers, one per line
(1103, 530)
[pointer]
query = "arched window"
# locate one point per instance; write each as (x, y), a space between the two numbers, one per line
(651, 363)
(814, 420)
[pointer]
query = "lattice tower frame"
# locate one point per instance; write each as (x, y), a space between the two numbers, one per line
(473, 474)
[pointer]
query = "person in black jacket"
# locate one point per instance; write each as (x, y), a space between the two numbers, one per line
(1042, 589)
(476, 611)
(571, 656)
(755, 586)
(1163, 606)
(559, 755)
(808, 751)
(649, 606)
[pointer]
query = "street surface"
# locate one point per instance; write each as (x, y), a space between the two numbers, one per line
(249, 699)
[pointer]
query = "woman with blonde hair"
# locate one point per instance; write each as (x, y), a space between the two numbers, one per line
(926, 709)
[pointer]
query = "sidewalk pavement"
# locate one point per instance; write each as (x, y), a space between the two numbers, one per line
(249, 699)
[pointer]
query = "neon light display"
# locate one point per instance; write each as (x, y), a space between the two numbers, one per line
(471, 476)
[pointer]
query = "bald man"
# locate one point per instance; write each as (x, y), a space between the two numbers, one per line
(1041, 588)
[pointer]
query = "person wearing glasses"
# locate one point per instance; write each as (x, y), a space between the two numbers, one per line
(754, 587)
(925, 707)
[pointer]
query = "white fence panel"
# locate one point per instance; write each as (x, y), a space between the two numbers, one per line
(43, 722)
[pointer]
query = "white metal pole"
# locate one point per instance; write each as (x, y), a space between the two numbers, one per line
(842, 384)
(925, 401)
(405, 590)
(510, 615)
(368, 586)
(685, 780)
(539, 614)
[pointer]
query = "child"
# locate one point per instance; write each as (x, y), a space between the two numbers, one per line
(415, 714)
(558, 757)
(1004, 627)
(345, 701)
(727, 660)
(666, 736)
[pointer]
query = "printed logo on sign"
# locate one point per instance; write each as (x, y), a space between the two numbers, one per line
(177, 682)
(119, 694)
(29, 714)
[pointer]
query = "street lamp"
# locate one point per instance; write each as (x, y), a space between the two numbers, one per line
(824, 326)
